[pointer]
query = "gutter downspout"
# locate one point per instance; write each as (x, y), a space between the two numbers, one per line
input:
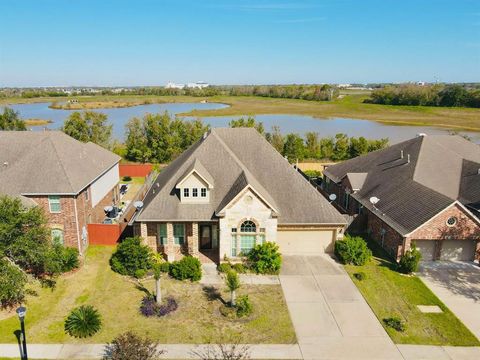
(76, 224)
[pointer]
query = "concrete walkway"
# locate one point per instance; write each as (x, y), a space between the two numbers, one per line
(330, 316)
(210, 276)
(457, 284)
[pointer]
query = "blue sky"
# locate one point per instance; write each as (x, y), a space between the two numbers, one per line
(146, 42)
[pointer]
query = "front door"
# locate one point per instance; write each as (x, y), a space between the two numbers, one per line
(205, 236)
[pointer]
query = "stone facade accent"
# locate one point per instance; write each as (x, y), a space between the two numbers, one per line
(192, 238)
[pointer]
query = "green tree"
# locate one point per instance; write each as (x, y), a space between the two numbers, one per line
(233, 284)
(10, 120)
(294, 149)
(89, 126)
(340, 150)
(276, 138)
(327, 146)
(250, 122)
(312, 145)
(358, 146)
(12, 284)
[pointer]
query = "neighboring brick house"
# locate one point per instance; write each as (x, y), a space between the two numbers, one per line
(230, 191)
(70, 180)
(425, 190)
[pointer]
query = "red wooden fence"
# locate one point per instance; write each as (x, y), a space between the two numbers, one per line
(104, 234)
(135, 170)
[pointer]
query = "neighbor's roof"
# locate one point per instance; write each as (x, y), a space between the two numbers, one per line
(237, 158)
(442, 170)
(49, 162)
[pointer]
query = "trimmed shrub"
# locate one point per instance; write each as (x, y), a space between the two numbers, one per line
(360, 276)
(187, 268)
(265, 258)
(244, 306)
(129, 346)
(140, 273)
(149, 306)
(131, 255)
(68, 257)
(12, 285)
(353, 250)
(83, 322)
(395, 323)
(239, 268)
(410, 260)
(224, 267)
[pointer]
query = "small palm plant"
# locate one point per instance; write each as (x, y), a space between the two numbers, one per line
(83, 322)
(233, 283)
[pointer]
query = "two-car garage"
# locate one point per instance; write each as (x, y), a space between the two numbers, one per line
(306, 241)
(452, 250)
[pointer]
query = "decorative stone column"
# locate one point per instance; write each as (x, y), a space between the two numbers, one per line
(170, 247)
(144, 233)
(192, 240)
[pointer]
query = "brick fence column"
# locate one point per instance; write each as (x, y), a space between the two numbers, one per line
(170, 247)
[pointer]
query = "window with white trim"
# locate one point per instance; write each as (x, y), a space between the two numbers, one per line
(245, 237)
(179, 234)
(194, 192)
(186, 192)
(54, 204)
(203, 192)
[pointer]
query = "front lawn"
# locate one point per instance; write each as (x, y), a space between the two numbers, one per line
(390, 293)
(197, 319)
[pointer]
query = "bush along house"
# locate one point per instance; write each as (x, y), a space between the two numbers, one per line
(424, 191)
(70, 180)
(230, 191)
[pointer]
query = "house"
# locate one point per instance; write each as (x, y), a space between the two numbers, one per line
(230, 191)
(425, 190)
(72, 181)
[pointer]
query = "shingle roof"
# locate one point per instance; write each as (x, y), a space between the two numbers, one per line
(49, 162)
(235, 158)
(197, 166)
(433, 172)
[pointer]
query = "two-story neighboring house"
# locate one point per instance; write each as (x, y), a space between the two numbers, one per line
(230, 191)
(72, 181)
(424, 191)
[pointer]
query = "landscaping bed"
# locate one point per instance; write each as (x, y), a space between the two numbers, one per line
(392, 294)
(118, 299)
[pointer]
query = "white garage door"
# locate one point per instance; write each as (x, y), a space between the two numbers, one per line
(426, 248)
(458, 250)
(305, 242)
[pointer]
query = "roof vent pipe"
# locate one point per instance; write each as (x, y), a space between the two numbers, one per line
(408, 158)
(401, 154)
(5, 164)
(205, 134)
(478, 171)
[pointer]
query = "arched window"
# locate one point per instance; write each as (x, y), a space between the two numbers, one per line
(248, 227)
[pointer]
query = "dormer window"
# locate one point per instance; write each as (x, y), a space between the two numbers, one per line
(186, 192)
(203, 192)
(195, 192)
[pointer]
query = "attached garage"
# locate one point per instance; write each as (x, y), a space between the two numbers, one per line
(426, 248)
(452, 250)
(458, 250)
(306, 242)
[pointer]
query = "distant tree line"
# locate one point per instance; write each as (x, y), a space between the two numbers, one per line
(430, 95)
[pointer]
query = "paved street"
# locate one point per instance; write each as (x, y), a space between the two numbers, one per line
(457, 284)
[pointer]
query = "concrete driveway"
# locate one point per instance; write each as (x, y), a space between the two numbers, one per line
(457, 284)
(330, 316)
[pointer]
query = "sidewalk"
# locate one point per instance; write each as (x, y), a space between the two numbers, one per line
(328, 350)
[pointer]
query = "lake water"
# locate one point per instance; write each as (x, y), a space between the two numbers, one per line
(287, 123)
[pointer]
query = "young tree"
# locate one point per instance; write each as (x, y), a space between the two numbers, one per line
(10, 120)
(129, 346)
(233, 284)
(89, 126)
(157, 274)
(276, 138)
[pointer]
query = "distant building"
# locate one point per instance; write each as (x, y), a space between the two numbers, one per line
(197, 85)
(172, 85)
(421, 83)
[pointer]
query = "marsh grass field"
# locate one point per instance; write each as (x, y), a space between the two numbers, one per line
(350, 105)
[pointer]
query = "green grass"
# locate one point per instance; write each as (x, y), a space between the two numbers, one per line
(117, 298)
(350, 106)
(390, 293)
